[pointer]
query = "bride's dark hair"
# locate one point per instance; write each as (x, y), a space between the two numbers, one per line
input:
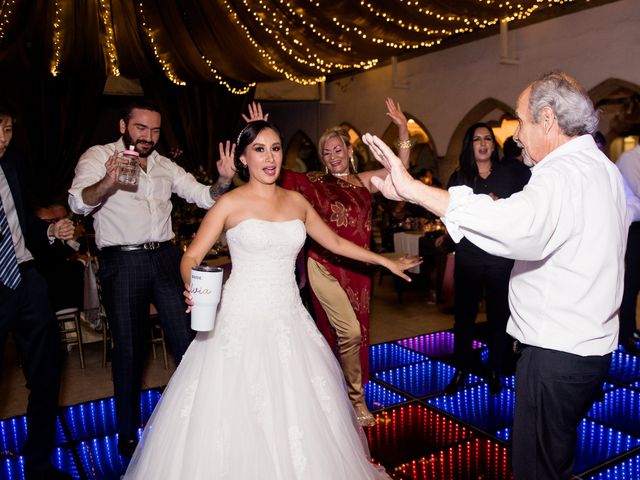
(245, 138)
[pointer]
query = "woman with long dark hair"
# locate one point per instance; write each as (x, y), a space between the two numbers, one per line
(476, 272)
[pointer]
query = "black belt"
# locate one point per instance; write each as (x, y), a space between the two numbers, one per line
(135, 248)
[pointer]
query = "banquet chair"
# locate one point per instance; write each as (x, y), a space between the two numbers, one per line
(70, 330)
(157, 335)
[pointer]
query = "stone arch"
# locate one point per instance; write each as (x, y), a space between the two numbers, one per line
(301, 154)
(619, 104)
(476, 114)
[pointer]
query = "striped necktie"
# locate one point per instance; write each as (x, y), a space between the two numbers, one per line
(9, 272)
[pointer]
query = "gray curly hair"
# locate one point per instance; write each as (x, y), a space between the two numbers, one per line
(567, 99)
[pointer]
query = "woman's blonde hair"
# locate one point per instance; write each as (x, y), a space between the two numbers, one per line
(339, 132)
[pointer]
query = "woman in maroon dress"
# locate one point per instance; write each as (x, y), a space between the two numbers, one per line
(341, 289)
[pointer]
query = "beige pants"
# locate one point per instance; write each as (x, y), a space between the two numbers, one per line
(343, 319)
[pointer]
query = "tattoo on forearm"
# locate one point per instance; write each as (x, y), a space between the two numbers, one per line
(218, 189)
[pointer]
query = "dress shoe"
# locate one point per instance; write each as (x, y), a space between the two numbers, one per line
(495, 382)
(47, 473)
(456, 381)
(126, 445)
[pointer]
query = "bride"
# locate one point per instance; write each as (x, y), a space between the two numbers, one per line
(262, 395)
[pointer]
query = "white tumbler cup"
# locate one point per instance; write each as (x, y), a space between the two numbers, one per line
(206, 288)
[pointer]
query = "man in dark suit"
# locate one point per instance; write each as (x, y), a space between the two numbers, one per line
(25, 309)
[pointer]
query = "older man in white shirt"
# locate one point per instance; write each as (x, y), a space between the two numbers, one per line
(138, 262)
(567, 232)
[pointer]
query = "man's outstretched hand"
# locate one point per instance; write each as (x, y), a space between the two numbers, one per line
(399, 184)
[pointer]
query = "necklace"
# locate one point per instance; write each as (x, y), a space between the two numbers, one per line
(345, 174)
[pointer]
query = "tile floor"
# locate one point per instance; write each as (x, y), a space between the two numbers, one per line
(420, 433)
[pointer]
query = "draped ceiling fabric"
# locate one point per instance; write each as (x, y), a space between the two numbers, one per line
(243, 41)
(203, 57)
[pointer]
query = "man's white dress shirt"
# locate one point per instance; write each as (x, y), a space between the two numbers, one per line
(140, 215)
(567, 232)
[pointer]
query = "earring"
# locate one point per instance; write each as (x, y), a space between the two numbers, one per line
(353, 164)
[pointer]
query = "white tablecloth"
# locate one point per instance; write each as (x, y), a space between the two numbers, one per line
(407, 243)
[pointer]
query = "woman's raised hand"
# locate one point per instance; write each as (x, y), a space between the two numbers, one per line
(395, 113)
(255, 113)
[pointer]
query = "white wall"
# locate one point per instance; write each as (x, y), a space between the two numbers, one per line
(592, 45)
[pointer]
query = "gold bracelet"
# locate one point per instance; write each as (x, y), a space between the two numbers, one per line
(404, 143)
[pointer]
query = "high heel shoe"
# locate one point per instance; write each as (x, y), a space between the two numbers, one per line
(456, 381)
(365, 417)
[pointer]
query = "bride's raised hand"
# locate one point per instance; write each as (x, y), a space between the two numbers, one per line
(255, 113)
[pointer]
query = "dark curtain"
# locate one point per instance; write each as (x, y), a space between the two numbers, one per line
(65, 112)
(196, 117)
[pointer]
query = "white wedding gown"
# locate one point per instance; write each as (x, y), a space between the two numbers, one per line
(262, 395)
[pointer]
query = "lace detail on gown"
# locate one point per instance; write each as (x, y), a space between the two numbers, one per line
(262, 395)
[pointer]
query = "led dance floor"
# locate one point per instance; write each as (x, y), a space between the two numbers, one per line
(420, 433)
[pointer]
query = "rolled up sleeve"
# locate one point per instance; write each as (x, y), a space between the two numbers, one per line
(524, 226)
(186, 186)
(89, 170)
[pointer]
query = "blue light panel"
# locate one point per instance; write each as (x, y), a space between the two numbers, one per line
(479, 407)
(91, 419)
(13, 434)
(100, 458)
(421, 379)
(625, 469)
(624, 368)
(62, 458)
(378, 397)
(598, 443)
(98, 418)
(390, 355)
(620, 409)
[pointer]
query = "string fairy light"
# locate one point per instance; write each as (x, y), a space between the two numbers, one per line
(273, 64)
(224, 83)
(166, 66)
(309, 58)
(112, 54)
(57, 39)
(5, 16)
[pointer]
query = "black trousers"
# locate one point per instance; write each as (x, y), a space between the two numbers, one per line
(554, 391)
(130, 282)
(631, 284)
(471, 280)
(27, 313)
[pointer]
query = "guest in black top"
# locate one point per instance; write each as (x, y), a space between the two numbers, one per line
(477, 272)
